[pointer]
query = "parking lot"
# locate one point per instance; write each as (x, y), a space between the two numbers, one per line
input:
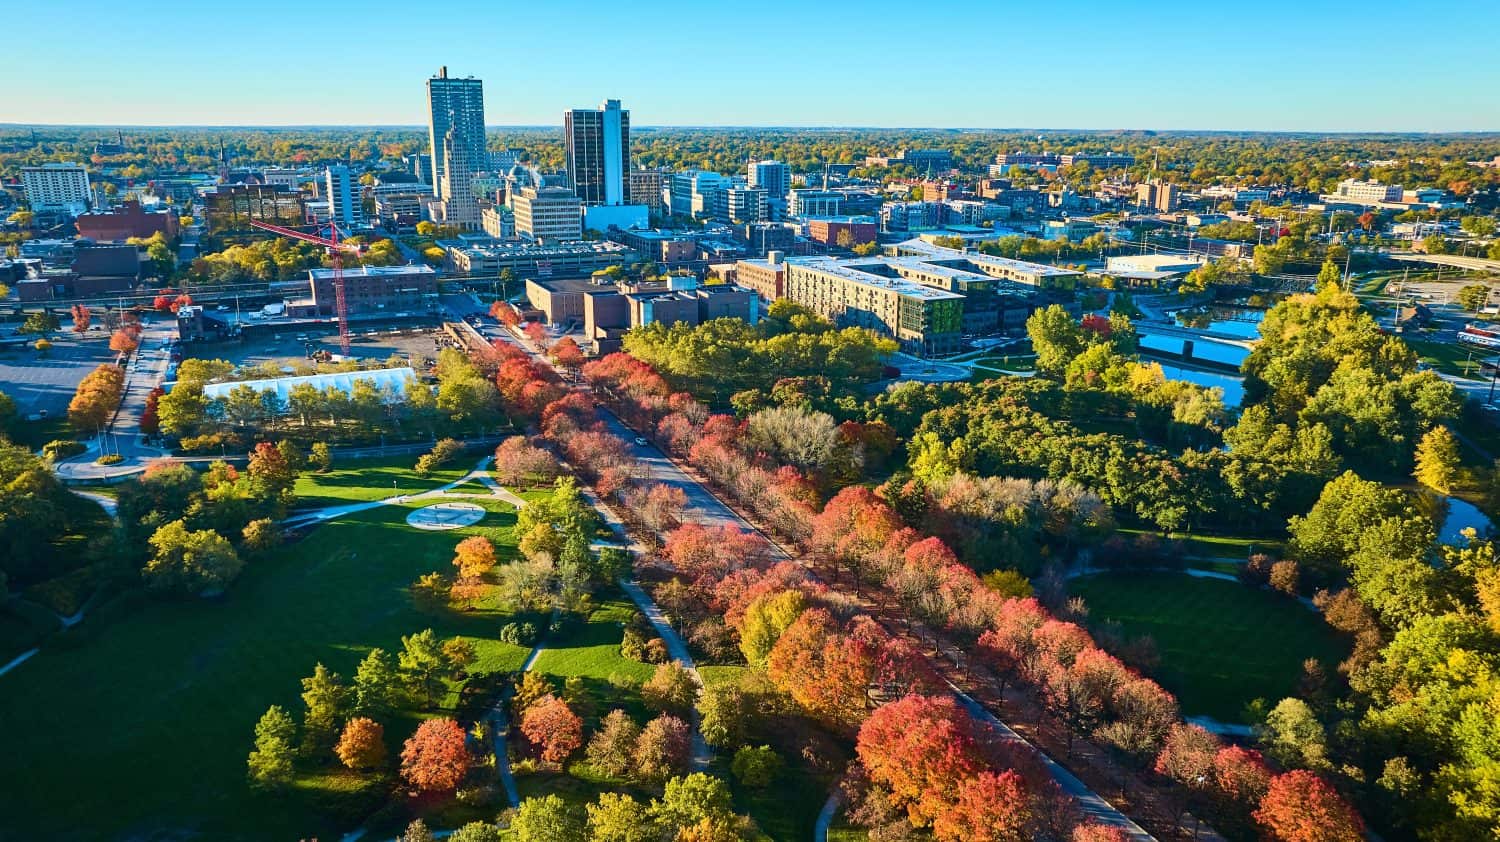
(294, 344)
(46, 382)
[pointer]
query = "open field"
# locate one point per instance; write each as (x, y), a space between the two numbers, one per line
(363, 480)
(156, 712)
(1449, 357)
(1222, 644)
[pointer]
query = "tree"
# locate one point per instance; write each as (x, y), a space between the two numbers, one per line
(670, 689)
(989, 807)
(40, 322)
(260, 535)
(756, 766)
(616, 817)
(424, 664)
(1294, 736)
(326, 699)
(362, 745)
(1329, 275)
(321, 458)
(417, 832)
(81, 318)
(723, 711)
(435, 758)
(191, 562)
(1437, 460)
(612, 748)
(566, 353)
(548, 819)
(271, 762)
(551, 726)
(1055, 337)
(1301, 807)
(1268, 260)
(478, 832)
(474, 557)
(921, 748)
(375, 684)
(1478, 226)
(663, 748)
(1473, 296)
(765, 619)
(96, 398)
(123, 342)
(687, 801)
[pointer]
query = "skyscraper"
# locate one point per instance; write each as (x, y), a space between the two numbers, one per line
(344, 200)
(456, 187)
(456, 104)
(776, 178)
(598, 145)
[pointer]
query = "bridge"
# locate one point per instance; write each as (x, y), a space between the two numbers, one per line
(1191, 334)
(1478, 264)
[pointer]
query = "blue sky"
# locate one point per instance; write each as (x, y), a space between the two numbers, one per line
(1269, 65)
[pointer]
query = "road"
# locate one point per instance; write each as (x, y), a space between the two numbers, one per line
(123, 435)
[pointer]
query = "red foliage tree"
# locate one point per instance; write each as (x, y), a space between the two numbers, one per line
(435, 758)
(989, 807)
(566, 353)
(1241, 775)
(920, 748)
(552, 727)
(1098, 833)
(505, 314)
(81, 318)
(536, 332)
(1300, 806)
(180, 302)
(150, 417)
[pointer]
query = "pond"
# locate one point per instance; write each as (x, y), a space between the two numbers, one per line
(1239, 322)
(1462, 515)
(1234, 387)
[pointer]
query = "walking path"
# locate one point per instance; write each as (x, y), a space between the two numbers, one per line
(315, 516)
(702, 756)
(825, 815)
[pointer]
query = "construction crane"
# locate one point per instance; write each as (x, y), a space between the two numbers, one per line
(336, 251)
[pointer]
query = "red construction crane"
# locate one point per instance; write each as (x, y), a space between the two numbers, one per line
(336, 250)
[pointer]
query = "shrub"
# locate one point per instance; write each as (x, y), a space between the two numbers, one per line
(442, 453)
(756, 767)
(1257, 571)
(109, 459)
(62, 449)
(518, 634)
(1285, 575)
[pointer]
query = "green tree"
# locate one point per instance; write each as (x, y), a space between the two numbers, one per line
(1473, 296)
(480, 832)
(270, 763)
(424, 664)
(1294, 736)
(1437, 460)
(190, 561)
(376, 683)
(1329, 275)
(765, 619)
(321, 458)
(326, 699)
(548, 819)
(686, 801)
(756, 766)
(40, 322)
(1269, 260)
(1055, 337)
(617, 817)
(1479, 226)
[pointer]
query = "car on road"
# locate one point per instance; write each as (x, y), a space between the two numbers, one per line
(641, 440)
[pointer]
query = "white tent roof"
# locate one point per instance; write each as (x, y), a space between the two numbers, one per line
(395, 379)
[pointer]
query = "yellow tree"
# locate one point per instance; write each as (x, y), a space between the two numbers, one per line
(1437, 460)
(474, 557)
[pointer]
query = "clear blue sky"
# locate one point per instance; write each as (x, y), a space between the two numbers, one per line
(1168, 64)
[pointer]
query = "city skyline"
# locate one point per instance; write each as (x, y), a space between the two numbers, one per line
(1290, 67)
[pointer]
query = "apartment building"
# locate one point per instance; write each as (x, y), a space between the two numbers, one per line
(870, 293)
(54, 188)
(548, 213)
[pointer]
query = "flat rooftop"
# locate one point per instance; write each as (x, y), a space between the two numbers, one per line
(855, 271)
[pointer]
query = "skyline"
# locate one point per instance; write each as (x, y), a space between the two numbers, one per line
(1289, 68)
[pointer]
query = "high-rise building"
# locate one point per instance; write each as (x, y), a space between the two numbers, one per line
(646, 189)
(742, 203)
(1156, 195)
(695, 192)
(57, 187)
(598, 151)
(344, 205)
(456, 187)
(457, 105)
(776, 178)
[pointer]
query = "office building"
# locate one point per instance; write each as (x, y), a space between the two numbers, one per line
(498, 221)
(456, 106)
(371, 290)
(1025, 160)
(1023, 272)
(400, 211)
(57, 188)
(457, 205)
(694, 192)
(742, 203)
(646, 188)
(1099, 160)
(537, 260)
(1365, 192)
(843, 231)
(922, 160)
(1157, 196)
(801, 203)
(870, 293)
(766, 237)
(598, 153)
(611, 310)
(344, 200)
(126, 221)
(548, 213)
(776, 178)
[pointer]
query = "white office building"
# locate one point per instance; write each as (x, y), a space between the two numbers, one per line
(776, 179)
(344, 205)
(53, 188)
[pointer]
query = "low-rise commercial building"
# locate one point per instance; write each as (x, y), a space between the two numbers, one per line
(871, 293)
(374, 290)
(843, 231)
(548, 213)
(766, 278)
(126, 221)
(537, 260)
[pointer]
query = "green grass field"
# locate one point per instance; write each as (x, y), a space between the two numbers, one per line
(1450, 357)
(142, 731)
(1222, 644)
(363, 480)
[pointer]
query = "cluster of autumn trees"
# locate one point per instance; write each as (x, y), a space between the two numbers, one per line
(344, 721)
(866, 538)
(191, 530)
(97, 397)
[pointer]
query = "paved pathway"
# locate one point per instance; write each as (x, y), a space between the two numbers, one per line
(702, 756)
(106, 502)
(314, 516)
(825, 815)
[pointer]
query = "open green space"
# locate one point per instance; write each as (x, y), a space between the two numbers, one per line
(1229, 547)
(1222, 644)
(1019, 362)
(1449, 357)
(158, 707)
(376, 478)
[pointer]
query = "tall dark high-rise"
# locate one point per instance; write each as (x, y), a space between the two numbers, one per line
(456, 104)
(598, 147)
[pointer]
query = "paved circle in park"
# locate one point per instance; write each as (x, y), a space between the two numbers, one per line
(445, 516)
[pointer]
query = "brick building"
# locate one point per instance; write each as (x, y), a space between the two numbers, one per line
(126, 221)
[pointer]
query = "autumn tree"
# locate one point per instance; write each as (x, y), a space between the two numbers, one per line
(612, 748)
(123, 341)
(989, 807)
(1437, 460)
(81, 318)
(1300, 806)
(190, 561)
(767, 617)
(566, 353)
(663, 748)
(921, 748)
(436, 757)
(97, 396)
(551, 726)
(548, 819)
(474, 556)
(670, 689)
(616, 817)
(362, 745)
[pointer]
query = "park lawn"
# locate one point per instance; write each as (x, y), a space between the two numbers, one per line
(363, 480)
(590, 650)
(847, 834)
(1222, 644)
(1449, 357)
(1018, 362)
(716, 674)
(143, 730)
(1228, 547)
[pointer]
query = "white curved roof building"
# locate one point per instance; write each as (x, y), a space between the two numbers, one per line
(394, 379)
